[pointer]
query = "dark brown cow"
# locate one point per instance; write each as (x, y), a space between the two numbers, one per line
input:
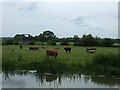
(34, 48)
(21, 47)
(53, 53)
(67, 49)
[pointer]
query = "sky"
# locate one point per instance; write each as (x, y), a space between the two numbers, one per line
(65, 19)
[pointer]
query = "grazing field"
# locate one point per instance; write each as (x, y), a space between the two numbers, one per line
(77, 61)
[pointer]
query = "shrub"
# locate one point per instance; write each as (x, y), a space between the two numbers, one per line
(51, 42)
(9, 42)
(107, 42)
(76, 44)
(16, 43)
(31, 42)
(64, 42)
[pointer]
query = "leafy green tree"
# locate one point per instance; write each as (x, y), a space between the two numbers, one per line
(76, 38)
(107, 42)
(9, 42)
(46, 35)
(51, 42)
(31, 42)
(88, 40)
(16, 42)
(19, 37)
(64, 41)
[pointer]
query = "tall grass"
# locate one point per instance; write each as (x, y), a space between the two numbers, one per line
(78, 61)
(105, 63)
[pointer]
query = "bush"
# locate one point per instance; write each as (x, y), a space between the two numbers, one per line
(88, 40)
(16, 43)
(107, 42)
(31, 42)
(9, 42)
(64, 42)
(51, 42)
(76, 44)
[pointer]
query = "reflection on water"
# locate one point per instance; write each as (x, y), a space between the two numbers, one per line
(34, 79)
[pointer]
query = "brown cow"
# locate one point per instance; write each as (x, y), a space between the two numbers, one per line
(34, 48)
(52, 53)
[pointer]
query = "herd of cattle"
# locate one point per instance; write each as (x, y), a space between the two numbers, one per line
(54, 52)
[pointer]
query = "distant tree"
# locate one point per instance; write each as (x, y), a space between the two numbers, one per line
(31, 42)
(64, 42)
(16, 42)
(19, 37)
(3, 42)
(88, 40)
(107, 42)
(76, 38)
(9, 42)
(51, 42)
(46, 35)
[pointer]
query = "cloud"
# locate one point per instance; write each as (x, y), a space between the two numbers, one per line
(85, 23)
(80, 21)
(28, 6)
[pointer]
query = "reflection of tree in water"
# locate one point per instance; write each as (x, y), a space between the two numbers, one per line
(106, 81)
(6, 73)
(57, 80)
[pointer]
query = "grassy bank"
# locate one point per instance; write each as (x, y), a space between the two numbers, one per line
(78, 61)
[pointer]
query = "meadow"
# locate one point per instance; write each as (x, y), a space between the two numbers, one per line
(104, 61)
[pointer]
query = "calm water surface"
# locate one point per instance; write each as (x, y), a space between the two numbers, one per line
(33, 79)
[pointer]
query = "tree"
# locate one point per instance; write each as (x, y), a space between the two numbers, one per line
(76, 38)
(19, 37)
(9, 42)
(64, 41)
(46, 35)
(88, 40)
(107, 42)
(31, 42)
(16, 43)
(51, 42)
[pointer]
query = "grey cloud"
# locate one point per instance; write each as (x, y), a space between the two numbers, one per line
(28, 7)
(77, 20)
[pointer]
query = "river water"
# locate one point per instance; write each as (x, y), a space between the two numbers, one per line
(33, 79)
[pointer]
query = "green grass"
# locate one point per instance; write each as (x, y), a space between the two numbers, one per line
(78, 61)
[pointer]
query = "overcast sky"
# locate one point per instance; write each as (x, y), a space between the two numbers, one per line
(65, 19)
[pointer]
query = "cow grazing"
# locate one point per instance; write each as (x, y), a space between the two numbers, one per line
(21, 47)
(91, 50)
(53, 53)
(33, 48)
(67, 49)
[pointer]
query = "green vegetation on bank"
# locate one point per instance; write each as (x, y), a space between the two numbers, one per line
(104, 61)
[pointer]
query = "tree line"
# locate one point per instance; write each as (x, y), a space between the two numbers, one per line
(49, 38)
